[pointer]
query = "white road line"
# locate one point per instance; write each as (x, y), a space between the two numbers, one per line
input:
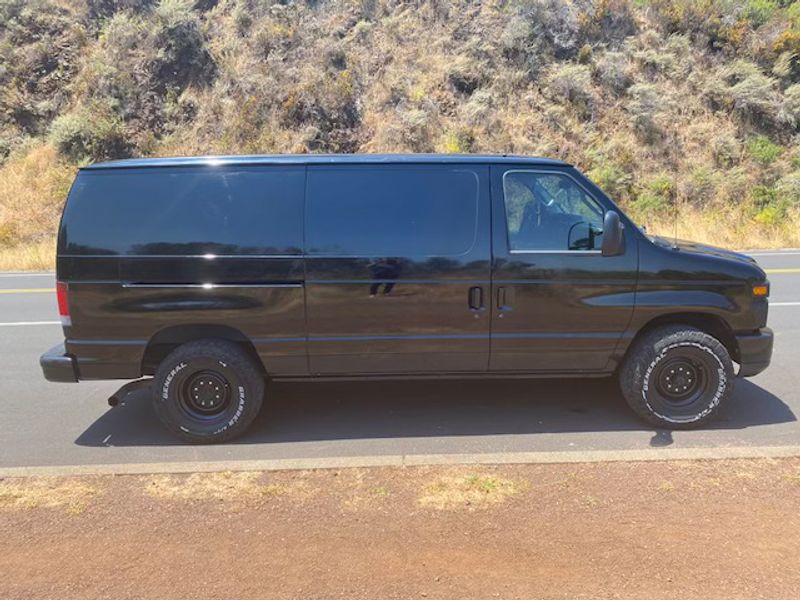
(784, 304)
(24, 323)
(27, 274)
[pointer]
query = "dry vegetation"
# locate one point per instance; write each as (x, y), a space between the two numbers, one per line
(687, 104)
(72, 495)
(470, 491)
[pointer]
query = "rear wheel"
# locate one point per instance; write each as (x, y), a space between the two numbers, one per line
(677, 377)
(208, 391)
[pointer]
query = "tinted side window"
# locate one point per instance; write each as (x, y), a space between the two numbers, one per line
(391, 211)
(191, 211)
(550, 211)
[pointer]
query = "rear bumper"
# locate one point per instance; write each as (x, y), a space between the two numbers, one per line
(59, 366)
(755, 352)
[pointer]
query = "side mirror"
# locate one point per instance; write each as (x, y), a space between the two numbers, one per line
(612, 235)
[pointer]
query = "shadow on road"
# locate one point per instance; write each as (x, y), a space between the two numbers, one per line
(347, 410)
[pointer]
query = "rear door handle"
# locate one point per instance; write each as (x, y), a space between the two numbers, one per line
(475, 298)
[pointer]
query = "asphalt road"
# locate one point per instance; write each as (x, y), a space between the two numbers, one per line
(47, 424)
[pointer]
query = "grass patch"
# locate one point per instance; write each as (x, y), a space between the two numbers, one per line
(666, 486)
(467, 491)
(224, 486)
(207, 486)
(36, 256)
(73, 496)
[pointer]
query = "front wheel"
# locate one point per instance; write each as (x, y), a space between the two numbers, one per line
(677, 377)
(208, 391)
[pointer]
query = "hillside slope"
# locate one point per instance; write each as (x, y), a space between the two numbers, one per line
(668, 104)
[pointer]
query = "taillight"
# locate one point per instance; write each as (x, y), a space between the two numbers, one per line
(63, 303)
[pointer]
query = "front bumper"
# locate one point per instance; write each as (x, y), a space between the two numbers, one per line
(59, 366)
(755, 352)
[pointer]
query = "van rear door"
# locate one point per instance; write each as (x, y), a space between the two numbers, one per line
(397, 268)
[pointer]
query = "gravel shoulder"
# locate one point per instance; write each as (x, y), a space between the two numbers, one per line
(689, 529)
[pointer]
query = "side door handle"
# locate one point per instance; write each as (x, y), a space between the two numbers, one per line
(475, 298)
(504, 300)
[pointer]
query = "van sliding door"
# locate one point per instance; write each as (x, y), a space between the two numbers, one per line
(397, 268)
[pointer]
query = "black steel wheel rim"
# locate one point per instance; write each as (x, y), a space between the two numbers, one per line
(205, 394)
(681, 381)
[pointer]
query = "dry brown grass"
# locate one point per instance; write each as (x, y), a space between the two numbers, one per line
(223, 486)
(33, 187)
(471, 491)
(733, 230)
(36, 256)
(205, 486)
(73, 495)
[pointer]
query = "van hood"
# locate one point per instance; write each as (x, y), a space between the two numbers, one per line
(702, 249)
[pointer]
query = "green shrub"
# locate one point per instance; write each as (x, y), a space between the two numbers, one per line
(763, 150)
(608, 21)
(656, 198)
(181, 58)
(726, 150)
(92, 133)
(540, 30)
(743, 88)
(772, 203)
(791, 104)
(759, 12)
(700, 186)
(788, 189)
(645, 105)
(572, 83)
(612, 71)
(611, 179)
(461, 141)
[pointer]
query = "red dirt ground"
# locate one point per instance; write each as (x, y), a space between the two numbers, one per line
(688, 530)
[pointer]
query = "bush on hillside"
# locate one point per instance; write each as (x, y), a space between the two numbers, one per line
(90, 134)
(791, 105)
(39, 49)
(762, 150)
(181, 56)
(743, 88)
(656, 198)
(644, 107)
(726, 150)
(608, 22)
(572, 83)
(539, 31)
(612, 70)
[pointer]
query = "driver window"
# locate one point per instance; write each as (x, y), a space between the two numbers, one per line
(550, 211)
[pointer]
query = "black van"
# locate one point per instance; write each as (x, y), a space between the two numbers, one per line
(214, 274)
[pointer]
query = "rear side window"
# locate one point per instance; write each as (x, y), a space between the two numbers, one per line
(185, 211)
(391, 211)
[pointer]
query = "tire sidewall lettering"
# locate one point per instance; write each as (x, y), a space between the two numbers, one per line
(719, 392)
(170, 378)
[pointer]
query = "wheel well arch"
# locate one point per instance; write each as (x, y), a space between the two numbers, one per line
(166, 340)
(709, 323)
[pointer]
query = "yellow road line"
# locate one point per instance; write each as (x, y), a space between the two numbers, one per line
(29, 291)
(782, 270)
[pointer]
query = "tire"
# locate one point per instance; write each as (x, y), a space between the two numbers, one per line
(677, 377)
(208, 391)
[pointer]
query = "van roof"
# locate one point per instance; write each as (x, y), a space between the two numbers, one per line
(325, 159)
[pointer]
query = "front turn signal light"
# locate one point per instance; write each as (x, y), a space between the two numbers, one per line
(761, 290)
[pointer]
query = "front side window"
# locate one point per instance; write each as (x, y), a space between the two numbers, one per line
(548, 211)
